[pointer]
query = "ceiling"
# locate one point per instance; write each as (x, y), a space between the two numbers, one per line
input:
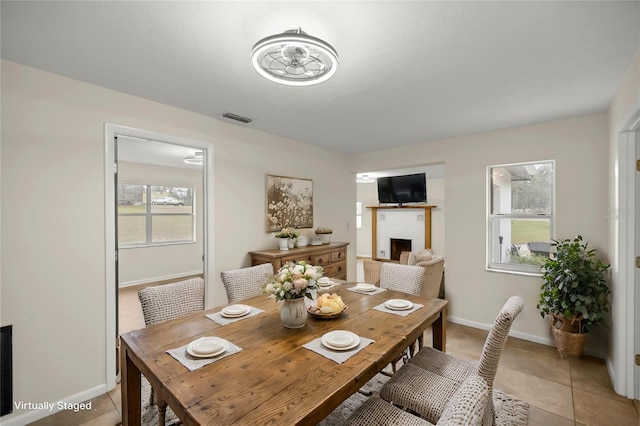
(409, 72)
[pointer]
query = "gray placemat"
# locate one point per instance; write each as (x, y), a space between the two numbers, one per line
(217, 316)
(193, 363)
(403, 313)
(338, 356)
(376, 291)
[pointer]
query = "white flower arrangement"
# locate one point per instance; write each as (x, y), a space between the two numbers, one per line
(288, 233)
(294, 280)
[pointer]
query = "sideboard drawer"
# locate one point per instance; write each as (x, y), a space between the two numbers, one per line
(336, 270)
(321, 260)
(338, 255)
(297, 258)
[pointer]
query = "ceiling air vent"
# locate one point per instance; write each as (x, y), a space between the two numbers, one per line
(237, 117)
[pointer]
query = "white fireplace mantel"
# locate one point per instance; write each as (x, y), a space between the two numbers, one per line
(402, 222)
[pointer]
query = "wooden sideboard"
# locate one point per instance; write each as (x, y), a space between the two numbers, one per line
(332, 257)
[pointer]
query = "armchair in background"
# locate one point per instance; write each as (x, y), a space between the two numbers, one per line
(433, 285)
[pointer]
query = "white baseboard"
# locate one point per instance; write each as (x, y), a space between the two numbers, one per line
(524, 336)
(156, 279)
(27, 417)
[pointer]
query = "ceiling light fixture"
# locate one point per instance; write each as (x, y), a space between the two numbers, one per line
(364, 179)
(294, 58)
(196, 158)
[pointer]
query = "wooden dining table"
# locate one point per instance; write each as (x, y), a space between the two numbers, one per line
(273, 379)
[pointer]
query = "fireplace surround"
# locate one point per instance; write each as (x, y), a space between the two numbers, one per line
(411, 223)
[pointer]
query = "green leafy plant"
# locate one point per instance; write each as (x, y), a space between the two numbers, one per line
(288, 233)
(575, 284)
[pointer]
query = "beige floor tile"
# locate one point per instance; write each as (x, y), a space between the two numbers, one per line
(590, 374)
(116, 398)
(539, 417)
(467, 340)
(538, 364)
(99, 406)
(542, 393)
(111, 418)
(596, 410)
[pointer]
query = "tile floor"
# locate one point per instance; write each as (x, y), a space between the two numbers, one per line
(559, 391)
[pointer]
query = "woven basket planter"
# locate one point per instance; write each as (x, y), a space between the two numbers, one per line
(569, 342)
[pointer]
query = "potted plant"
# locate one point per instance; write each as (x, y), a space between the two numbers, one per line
(287, 238)
(574, 294)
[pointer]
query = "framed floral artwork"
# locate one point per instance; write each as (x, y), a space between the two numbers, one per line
(289, 203)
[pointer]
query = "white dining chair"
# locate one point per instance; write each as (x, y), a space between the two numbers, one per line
(425, 384)
(404, 278)
(465, 408)
(166, 302)
(247, 282)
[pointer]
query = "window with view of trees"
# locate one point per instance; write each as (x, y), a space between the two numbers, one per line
(155, 215)
(521, 211)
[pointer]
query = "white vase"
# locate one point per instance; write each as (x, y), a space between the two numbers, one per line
(291, 242)
(283, 243)
(293, 313)
(302, 241)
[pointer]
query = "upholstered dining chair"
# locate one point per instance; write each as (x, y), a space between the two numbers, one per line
(431, 377)
(245, 282)
(432, 277)
(166, 302)
(465, 408)
(404, 278)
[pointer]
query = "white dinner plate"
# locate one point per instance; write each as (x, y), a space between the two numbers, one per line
(398, 304)
(235, 311)
(325, 283)
(365, 287)
(206, 347)
(340, 340)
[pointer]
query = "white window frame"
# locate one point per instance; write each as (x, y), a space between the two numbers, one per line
(491, 234)
(358, 214)
(149, 215)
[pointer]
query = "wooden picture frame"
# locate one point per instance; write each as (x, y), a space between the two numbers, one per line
(289, 203)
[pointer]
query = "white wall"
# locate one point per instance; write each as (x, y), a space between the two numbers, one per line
(53, 214)
(623, 308)
(578, 145)
(138, 265)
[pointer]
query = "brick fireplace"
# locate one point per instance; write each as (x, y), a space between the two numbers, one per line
(408, 226)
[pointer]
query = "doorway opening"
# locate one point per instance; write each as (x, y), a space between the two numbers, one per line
(141, 219)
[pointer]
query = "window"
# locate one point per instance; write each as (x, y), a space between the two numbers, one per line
(521, 211)
(167, 219)
(358, 214)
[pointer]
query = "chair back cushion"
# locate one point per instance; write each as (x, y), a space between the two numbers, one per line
(404, 278)
(169, 301)
(493, 346)
(246, 282)
(466, 407)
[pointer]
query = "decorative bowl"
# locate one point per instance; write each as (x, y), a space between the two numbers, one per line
(322, 316)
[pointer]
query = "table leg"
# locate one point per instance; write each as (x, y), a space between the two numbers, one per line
(129, 390)
(439, 331)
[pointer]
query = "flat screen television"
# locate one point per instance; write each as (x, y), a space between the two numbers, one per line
(402, 189)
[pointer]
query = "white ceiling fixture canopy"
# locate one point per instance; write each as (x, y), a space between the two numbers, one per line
(294, 58)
